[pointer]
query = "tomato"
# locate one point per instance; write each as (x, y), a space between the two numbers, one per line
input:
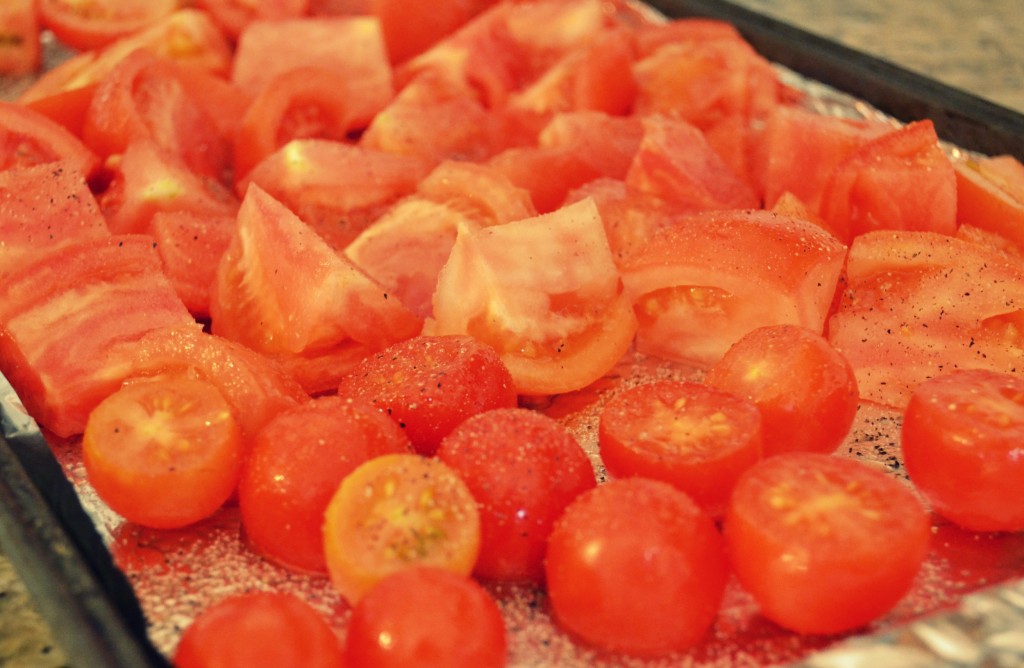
(961, 446)
(20, 51)
(523, 468)
(294, 467)
(920, 304)
(634, 566)
(698, 438)
(430, 384)
(396, 512)
(281, 289)
(190, 247)
(900, 180)
(91, 24)
(233, 16)
(409, 29)
(988, 199)
(28, 138)
(44, 207)
(824, 544)
(426, 617)
(705, 280)
(476, 191)
(805, 389)
(259, 628)
(544, 293)
(163, 453)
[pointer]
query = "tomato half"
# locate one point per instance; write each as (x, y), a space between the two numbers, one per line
(163, 453)
(824, 544)
(396, 512)
(961, 444)
(426, 617)
(91, 24)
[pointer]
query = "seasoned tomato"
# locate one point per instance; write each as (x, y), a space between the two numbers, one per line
(259, 629)
(962, 435)
(990, 195)
(426, 617)
(805, 389)
(544, 293)
(233, 16)
(523, 469)
(190, 247)
(699, 439)
(824, 544)
(29, 138)
(20, 51)
(90, 24)
(163, 453)
(634, 566)
(295, 465)
(396, 512)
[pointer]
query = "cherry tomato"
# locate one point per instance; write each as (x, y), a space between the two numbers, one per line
(429, 384)
(394, 512)
(90, 24)
(804, 387)
(962, 438)
(163, 453)
(425, 617)
(259, 629)
(523, 468)
(634, 566)
(824, 544)
(697, 438)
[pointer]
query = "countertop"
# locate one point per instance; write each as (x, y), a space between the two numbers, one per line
(975, 45)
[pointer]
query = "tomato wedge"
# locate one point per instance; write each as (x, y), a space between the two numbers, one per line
(29, 138)
(91, 24)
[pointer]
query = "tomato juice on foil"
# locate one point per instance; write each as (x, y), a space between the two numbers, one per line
(965, 608)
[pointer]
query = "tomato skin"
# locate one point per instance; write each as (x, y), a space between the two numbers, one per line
(805, 389)
(294, 466)
(523, 469)
(426, 617)
(259, 628)
(697, 438)
(961, 446)
(824, 544)
(163, 453)
(634, 566)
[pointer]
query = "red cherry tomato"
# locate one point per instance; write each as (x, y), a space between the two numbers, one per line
(804, 387)
(963, 435)
(523, 468)
(429, 384)
(824, 544)
(294, 467)
(259, 629)
(425, 617)
(695, 437)
(634, 566)
(163, 453)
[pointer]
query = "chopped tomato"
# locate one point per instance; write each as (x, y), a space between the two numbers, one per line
(523, 469)
(29, 138)
(544, 293)
(90, 24)
(411, 28)
(824, 544)
(962, 435)
(430, 384)
(163, 453)
(233, 16)
(190, 246)
(429, 618)
(698, 438)
(294, 467)
(478, 192)
(20, 50)
(634, 566)
(987, 199)
(259, 628)
(805, 389)
(397, 512)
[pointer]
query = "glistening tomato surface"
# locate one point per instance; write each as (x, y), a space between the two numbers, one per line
(163, 453)
(962, 436)
(634, 566)
(824, 544)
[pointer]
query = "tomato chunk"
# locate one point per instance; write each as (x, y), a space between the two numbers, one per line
(29, 138)
(20, 49)
(90, 24)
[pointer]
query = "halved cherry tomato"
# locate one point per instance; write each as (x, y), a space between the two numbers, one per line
(523, 469)
(634, 566)
(824, 544)
(962, 436)
(805, 389)
(20, 51)
(163, 453)
(396, 512)
(697, 438)
(90, 24)
(259, 629)
(294, 467)
(429, 618)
